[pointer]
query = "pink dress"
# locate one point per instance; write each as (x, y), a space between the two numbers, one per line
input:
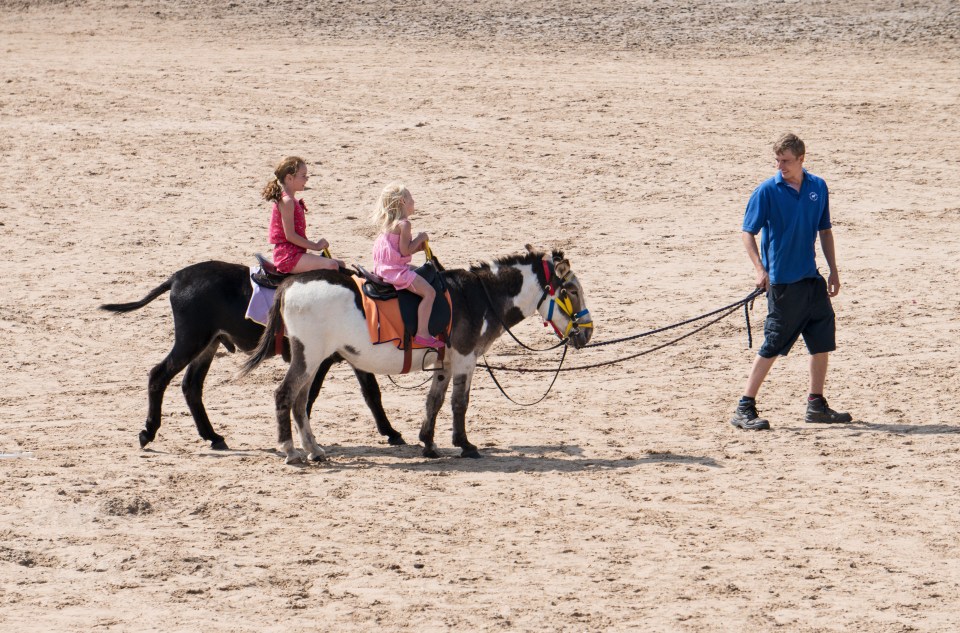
(390, 264)
(286, 254)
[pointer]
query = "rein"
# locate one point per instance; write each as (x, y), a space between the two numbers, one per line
(549, 388)
(746, 302)
(496, 313)
(724, 312)
(562, 303)
(549, 291)
(565, 306)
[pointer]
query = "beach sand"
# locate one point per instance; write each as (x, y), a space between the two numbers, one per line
(136, 137)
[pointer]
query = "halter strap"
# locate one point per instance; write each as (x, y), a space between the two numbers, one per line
(565, 305)
(548, 290)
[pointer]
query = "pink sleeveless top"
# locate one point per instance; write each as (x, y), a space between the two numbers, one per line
(390, 264)
(277, 236)
(287, 254)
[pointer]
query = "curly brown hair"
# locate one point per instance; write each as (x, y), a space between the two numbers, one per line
(287, 167)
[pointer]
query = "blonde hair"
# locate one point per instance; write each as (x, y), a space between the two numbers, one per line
(289, 166)
(389, 209)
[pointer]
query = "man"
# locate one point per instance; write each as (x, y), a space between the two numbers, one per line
(791, 210)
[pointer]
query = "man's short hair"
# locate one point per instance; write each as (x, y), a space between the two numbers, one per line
(789, 141)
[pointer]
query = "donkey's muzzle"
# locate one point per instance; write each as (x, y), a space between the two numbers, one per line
(580, 336)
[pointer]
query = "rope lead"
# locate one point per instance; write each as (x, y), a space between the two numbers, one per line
(723, 312)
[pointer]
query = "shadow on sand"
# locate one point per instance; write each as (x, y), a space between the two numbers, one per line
(857, 427)
(560, 458)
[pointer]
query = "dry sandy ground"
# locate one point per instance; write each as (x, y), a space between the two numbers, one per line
(135, 138)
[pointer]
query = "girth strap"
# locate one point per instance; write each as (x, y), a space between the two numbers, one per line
(278, 340)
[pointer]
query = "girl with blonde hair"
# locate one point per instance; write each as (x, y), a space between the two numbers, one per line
(288, 222)
(393, 250)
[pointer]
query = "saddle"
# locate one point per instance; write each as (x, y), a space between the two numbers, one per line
(392, 314)
(268, 276)
(375, 286)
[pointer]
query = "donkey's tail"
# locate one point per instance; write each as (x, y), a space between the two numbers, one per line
(266, 347)
(136, 305)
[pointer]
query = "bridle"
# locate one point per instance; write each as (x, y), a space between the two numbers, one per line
(556, 291)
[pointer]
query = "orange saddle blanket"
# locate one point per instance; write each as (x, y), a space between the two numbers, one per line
(385, 323)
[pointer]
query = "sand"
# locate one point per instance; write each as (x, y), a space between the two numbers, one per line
(135, 139)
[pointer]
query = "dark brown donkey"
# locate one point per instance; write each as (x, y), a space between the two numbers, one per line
(209, 301)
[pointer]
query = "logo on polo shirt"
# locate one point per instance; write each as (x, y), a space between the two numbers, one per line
(813, 196)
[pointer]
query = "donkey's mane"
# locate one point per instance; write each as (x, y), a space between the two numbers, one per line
(518, 258)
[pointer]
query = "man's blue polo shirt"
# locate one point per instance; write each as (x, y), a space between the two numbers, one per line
(790, 221)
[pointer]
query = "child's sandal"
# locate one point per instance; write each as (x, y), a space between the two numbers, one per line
(429, 341)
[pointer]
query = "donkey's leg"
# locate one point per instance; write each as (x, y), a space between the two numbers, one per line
(458, 402)
(371, 395)
(317, 383)
(292, 394)
(185, 349)
(438, 390)
(285, 394)
(302, 421)
(193, 393)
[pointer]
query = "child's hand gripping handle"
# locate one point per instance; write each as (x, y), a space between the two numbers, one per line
(326, 253)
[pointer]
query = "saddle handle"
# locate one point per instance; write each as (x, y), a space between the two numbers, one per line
(428, 253)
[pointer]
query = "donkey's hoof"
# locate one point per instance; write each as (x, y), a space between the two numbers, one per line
(431, 452)
(397, 440)
(472, 453)
(317, 457)
(294, 457)
(219, 445)
(144, 439)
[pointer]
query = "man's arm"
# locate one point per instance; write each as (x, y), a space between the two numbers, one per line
(750, 243)
(826, 245)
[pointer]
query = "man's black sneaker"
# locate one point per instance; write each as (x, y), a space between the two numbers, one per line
(819, 413)
(746, 418)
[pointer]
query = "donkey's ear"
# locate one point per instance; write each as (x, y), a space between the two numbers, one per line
(563, 268)
(529, 248)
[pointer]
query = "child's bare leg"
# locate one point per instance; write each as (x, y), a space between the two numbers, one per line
(427, 295)
(309, 261)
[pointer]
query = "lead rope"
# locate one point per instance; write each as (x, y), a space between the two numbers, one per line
(526, 404)
(730, 309)
(748, 300)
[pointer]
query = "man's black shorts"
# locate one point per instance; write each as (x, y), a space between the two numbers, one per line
(801, 308)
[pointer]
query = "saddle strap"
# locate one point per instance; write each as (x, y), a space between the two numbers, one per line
(408, 353)
(407, 358)
(278, 341)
